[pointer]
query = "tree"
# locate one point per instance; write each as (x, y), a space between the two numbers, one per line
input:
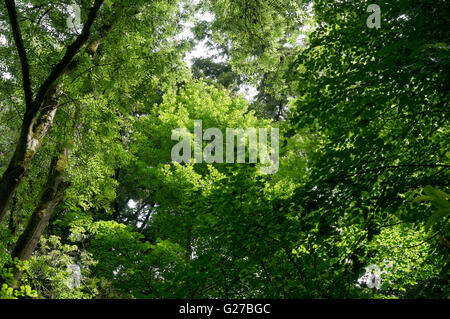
(93, 203)
(378, 99)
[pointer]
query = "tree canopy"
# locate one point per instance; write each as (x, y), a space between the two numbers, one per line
(92, 204)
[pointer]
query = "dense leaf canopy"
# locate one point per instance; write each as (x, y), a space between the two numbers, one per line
(92, 204)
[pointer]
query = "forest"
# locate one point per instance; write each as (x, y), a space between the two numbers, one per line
(221, 149)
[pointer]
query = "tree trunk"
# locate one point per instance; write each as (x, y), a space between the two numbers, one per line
(11, 224)
(50, 199)
(39, 113)
(34, 129)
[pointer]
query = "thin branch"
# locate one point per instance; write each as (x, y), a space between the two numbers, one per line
(43, 15)
(71, 51)
(398, 166)
(424, 241)
(26, 81)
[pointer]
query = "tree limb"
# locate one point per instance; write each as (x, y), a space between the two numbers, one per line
(26, 81)
(71, 51)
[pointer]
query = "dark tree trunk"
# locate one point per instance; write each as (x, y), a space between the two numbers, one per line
(39, 113)
(50, 199)
(34, 129)
(11, 224)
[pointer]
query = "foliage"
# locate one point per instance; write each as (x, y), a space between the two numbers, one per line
(362, 183)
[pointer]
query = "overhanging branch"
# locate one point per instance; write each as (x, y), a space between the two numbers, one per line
(26, 81)
(71, 51)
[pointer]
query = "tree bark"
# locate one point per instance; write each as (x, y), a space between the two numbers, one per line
(39, 113)
(51, 197)
(11, 224)
(34, 129)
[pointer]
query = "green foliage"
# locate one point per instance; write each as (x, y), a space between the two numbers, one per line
(9, 288)
(51, 271)
(440, 200)
(363, 121)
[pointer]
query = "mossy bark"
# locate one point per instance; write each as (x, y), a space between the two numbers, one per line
(50, 199)
(39, 112)
(33, 131)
